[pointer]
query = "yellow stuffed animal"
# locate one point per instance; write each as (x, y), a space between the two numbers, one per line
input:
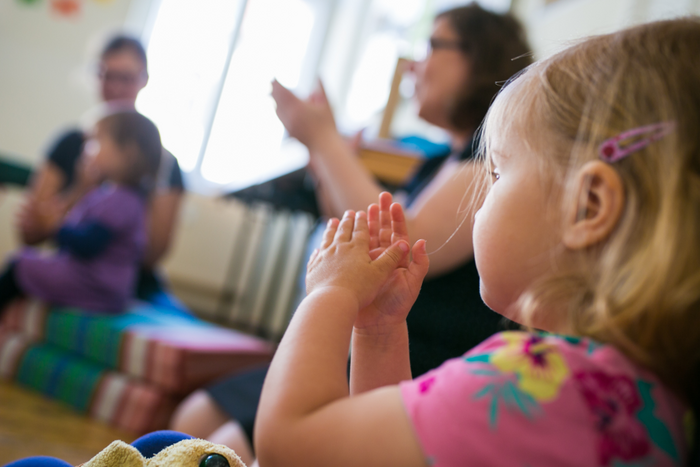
(186, 453)
(158, 449)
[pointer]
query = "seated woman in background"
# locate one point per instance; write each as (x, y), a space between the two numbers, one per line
(471, 51)
(122, 73)
(103, 238)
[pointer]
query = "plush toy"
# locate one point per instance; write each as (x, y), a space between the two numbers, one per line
(158, 449)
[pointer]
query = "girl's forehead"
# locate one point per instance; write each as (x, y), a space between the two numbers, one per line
(513, 114)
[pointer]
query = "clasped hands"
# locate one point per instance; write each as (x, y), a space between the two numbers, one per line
(366, 255)
(38, 220)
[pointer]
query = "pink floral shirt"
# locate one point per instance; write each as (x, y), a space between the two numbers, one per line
(521, 399)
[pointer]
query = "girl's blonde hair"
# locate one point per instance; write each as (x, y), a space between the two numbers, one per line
(640, 291)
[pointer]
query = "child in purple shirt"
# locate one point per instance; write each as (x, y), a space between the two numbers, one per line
(102, 238)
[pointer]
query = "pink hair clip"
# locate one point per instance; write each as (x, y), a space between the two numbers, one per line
(611, 151)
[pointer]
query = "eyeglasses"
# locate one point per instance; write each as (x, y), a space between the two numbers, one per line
(436, 44)
(118, 77)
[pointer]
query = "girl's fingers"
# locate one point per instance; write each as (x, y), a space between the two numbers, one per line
(344, 233)
(384, 220)
(329, 233)
(399, 231)
(398, 223)
(385, 199)
(420, 262)
(360, 234)
(373, 224)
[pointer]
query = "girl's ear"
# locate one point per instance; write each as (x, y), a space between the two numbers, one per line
(595, 206)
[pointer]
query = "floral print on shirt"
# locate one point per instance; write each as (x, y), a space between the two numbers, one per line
(524, 372)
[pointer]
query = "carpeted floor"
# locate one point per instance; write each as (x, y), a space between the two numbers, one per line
(31, 425)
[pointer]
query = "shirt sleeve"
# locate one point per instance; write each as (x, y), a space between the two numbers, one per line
(176, 181)
(65, 152)
(85, 241)
(169, 176)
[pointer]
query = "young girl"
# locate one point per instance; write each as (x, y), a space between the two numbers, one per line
(589, 230)
(102, 239)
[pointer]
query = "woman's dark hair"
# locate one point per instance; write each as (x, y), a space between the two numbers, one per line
(497, 48)
(121, 43)
(139, 139)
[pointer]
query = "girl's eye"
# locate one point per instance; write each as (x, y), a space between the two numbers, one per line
(495, 176)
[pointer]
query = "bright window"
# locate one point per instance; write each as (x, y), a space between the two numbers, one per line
(246, 136)
(211, 63)
(187, 56)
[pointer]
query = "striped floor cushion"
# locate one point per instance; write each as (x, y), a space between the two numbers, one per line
(89, 388)
(173, 351)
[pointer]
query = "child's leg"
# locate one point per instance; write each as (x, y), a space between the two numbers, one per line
(199, 416)
(233, 435)
(9, 289)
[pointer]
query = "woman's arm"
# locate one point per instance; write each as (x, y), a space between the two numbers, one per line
(162, 218)
(346, 184)
(345, 181)
(305, 415)
(445, 207)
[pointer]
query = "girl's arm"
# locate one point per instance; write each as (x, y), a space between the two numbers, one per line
(437, 213)
(36, 224)
(305, 415)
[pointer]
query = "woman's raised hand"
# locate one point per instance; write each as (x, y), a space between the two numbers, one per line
(343, 260)
(307, 120)
(387, 226)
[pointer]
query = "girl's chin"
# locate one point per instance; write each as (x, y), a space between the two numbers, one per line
(508, 310)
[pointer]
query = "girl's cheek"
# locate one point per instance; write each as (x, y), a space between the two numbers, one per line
(477, 231)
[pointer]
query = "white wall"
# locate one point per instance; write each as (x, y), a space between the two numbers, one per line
(47, 69)
(552, 27)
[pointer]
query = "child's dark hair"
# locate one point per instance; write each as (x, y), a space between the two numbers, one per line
(139, 138)
(123, 42)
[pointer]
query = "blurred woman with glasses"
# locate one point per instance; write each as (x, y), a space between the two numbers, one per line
(122, 74)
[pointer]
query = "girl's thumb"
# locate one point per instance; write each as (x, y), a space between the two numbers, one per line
(392, 256)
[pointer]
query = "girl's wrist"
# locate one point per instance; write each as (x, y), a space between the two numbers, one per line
(338, 294)
(382, 335)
